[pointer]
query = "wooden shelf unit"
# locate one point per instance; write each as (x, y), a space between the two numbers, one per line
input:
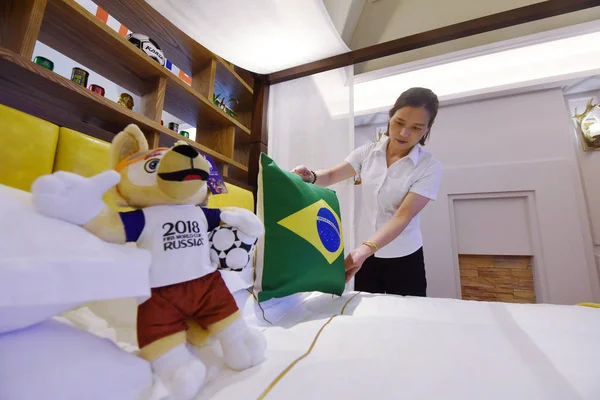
(190, 56)
(38, 91)
(70, 29)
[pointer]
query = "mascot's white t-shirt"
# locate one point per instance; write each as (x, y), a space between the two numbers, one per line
(177, 237)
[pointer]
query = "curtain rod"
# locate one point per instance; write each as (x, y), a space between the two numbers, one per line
(505, 19)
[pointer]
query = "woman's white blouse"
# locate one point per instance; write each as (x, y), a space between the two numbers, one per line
(384, 189)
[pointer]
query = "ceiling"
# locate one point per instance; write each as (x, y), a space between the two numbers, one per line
(363, 23)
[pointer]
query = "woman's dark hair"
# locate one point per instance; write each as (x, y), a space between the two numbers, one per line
(417, 97)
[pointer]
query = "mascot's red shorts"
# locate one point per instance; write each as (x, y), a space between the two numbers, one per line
(205, 300)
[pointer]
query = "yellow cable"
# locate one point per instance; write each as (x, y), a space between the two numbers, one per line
(259, 306)
(593, 305)
(303, 356)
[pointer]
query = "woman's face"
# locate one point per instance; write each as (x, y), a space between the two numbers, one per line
(408, 126)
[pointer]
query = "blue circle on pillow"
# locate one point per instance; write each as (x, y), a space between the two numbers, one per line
(329, 230)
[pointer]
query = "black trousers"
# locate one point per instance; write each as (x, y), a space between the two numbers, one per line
(403, 275)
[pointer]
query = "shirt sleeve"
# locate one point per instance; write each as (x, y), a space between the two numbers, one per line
(428, 184)
(358, 156)
(213, 217)
(134, 222)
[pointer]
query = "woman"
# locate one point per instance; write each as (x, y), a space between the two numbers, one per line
(399, 179)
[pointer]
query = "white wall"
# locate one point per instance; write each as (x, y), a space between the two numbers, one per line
(519, 147)
(498, 226)
(314, 141)
(363, 135)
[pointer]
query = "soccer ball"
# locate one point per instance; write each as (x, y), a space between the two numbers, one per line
(231, 249)
(148, 46)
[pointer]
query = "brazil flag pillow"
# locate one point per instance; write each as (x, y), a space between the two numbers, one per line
(303, 246)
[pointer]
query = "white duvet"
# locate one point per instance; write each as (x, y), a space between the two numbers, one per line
(392, 347)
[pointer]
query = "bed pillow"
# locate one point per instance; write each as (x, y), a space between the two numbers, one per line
(48, 266)
(58, 361)
(303, 246)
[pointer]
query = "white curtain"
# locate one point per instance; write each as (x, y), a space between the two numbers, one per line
(311, 122)
(261, 36)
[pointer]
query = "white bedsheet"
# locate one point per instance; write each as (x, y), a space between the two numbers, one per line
(391, 347)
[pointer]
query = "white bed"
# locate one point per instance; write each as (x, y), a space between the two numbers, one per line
(381, 347)
(419, 348)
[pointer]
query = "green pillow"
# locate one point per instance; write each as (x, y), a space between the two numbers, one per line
(303, 246)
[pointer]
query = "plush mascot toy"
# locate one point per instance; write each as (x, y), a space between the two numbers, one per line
(189, 298)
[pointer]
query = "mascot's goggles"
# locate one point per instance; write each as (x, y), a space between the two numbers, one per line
(139, 156)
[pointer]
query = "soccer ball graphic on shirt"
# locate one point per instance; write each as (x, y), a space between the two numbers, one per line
(231, 249)
(148, 46)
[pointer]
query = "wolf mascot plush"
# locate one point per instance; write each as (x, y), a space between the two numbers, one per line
(189, 299)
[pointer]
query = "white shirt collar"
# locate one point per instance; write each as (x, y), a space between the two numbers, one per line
(414, 154)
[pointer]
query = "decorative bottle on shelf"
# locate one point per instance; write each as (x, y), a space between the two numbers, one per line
(97, 89)
(44, 62)
(80, 76)
(126, 100)
(174, 126)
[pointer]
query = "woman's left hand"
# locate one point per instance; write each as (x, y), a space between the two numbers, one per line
(355, 260)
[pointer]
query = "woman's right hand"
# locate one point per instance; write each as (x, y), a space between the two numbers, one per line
(304, 173)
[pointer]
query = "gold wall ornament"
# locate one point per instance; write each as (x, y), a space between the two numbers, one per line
(379, 134)
(588, 126)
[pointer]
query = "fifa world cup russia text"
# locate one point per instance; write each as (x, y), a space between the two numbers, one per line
(181, 235)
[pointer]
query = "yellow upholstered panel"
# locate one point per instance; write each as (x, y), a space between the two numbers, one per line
(236, 197)
(27, 147)
(83, 155)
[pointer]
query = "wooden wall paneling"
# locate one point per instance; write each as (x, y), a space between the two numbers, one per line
(260, 102)
(203, 79)
(488, 23)
(230, 78)
(20, 22)
(238, 176)
(245, 117)
(259, 135)
(153, 101)
(245, 75)
(220, 140)
(38, 91)
(241, 153)
(165, 141)
(254, 161)
(76, 33)
(229, 85)
(112, 56)
(153, 139)
(152, 107)
(185, 103)
(139, 17)
(184, 52)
